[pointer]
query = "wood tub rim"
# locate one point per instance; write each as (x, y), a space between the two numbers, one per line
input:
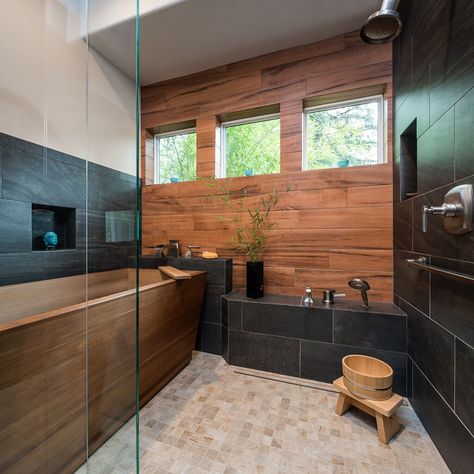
(67, 310)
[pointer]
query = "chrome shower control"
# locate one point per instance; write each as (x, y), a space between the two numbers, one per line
(329, 295)
(308, 299)
(456, 210)
(362, 286)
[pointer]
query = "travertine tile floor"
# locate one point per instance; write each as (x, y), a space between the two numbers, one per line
(215, 418)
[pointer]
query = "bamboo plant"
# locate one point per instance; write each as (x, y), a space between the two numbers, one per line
(250, 224)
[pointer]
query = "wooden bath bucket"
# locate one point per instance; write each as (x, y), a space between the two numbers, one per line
(367, 377)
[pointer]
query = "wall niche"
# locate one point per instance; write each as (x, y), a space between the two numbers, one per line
(408, 162)
(60, 220)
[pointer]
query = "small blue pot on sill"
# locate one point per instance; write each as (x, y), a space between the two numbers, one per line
(248, 172)
(174, 179)
(343, 163)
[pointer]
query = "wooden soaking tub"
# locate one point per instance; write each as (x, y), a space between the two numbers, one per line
(51, 342)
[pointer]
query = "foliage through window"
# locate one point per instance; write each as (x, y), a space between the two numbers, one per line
(251, 147)
(345, 134)
(175, 156)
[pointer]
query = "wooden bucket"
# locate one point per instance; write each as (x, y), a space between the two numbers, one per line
(367, 377)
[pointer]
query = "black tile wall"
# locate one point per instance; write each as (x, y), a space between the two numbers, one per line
(452, 303)
(234, 315)
(211, 338)
(436, 154)
(450, 436)
(32, 174)
(290, 321)
(434, 84)
(322, 361)
(464, 387)
(15, 226)
(263, 352)
(278, 334)
(410, 283)
(369, 329)
(431, 347)
(21, 267)
(464, 136)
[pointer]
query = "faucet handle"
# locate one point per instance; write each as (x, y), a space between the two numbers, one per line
(330, 294)
(445, 210)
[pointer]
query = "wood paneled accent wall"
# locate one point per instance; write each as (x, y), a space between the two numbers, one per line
(337, 224)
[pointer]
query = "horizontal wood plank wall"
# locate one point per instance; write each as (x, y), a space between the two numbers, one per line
(337, 224)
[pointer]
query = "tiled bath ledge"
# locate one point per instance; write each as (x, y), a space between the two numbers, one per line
(278, 334)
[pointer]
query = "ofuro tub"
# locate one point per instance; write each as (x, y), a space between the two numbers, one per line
(59, 356)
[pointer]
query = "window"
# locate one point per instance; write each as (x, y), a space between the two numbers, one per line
(251, 146)
(175, 156)
(349, 133)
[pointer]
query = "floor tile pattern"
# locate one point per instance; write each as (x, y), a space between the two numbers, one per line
(216, 418)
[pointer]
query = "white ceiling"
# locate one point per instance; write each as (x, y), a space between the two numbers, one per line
(183, 37)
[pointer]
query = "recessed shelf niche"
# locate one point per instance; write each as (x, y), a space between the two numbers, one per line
(60, 220)
(408, 162)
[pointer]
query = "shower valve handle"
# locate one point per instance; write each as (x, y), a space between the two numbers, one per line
(445, 210)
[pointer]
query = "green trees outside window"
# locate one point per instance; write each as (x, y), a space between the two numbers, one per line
(252, 148)
(176, 157)
(343, 136)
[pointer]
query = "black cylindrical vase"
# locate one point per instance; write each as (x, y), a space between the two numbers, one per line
(254, 279)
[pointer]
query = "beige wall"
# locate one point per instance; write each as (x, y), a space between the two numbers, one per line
(48, 80)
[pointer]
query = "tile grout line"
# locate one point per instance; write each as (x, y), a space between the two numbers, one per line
(438, 324)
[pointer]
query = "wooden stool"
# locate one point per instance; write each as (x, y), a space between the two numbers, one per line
(383, 411)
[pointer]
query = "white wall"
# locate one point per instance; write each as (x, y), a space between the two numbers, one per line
(56, 93)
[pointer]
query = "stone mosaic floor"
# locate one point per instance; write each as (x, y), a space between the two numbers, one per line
(215, 418)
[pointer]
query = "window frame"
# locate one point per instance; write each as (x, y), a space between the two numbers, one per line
(232, 123)
(377, 98)
(156, 147)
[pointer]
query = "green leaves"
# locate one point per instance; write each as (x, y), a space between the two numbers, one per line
(177, 157)
(253, 146)
(250, 233)
(346, 132)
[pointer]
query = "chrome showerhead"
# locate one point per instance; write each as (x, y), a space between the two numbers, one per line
(382, 26)
(362, 286)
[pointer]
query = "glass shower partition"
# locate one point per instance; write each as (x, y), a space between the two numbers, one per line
(69, 232)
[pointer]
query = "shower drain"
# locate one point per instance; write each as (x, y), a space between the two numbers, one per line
(325, 387)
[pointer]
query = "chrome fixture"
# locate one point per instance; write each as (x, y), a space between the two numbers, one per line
(423, 263)
(308, 299)
(189, 252)
(173, 248)
(382, 26)
(362, 286)
(456, 210)
(329, 295)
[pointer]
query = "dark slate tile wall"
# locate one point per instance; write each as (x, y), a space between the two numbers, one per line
(30, 173)
(278, 334)
(213, 321)
(434, 85)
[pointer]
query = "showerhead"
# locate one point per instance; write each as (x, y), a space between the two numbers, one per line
(382, 26)
(362, 286)
(359, 284)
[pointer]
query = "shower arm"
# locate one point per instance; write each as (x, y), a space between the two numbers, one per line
(389, 5)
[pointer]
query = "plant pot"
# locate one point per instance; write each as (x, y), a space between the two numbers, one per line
(254, 279)
(343, 163)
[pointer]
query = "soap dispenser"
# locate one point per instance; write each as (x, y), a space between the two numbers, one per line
(308, 299)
